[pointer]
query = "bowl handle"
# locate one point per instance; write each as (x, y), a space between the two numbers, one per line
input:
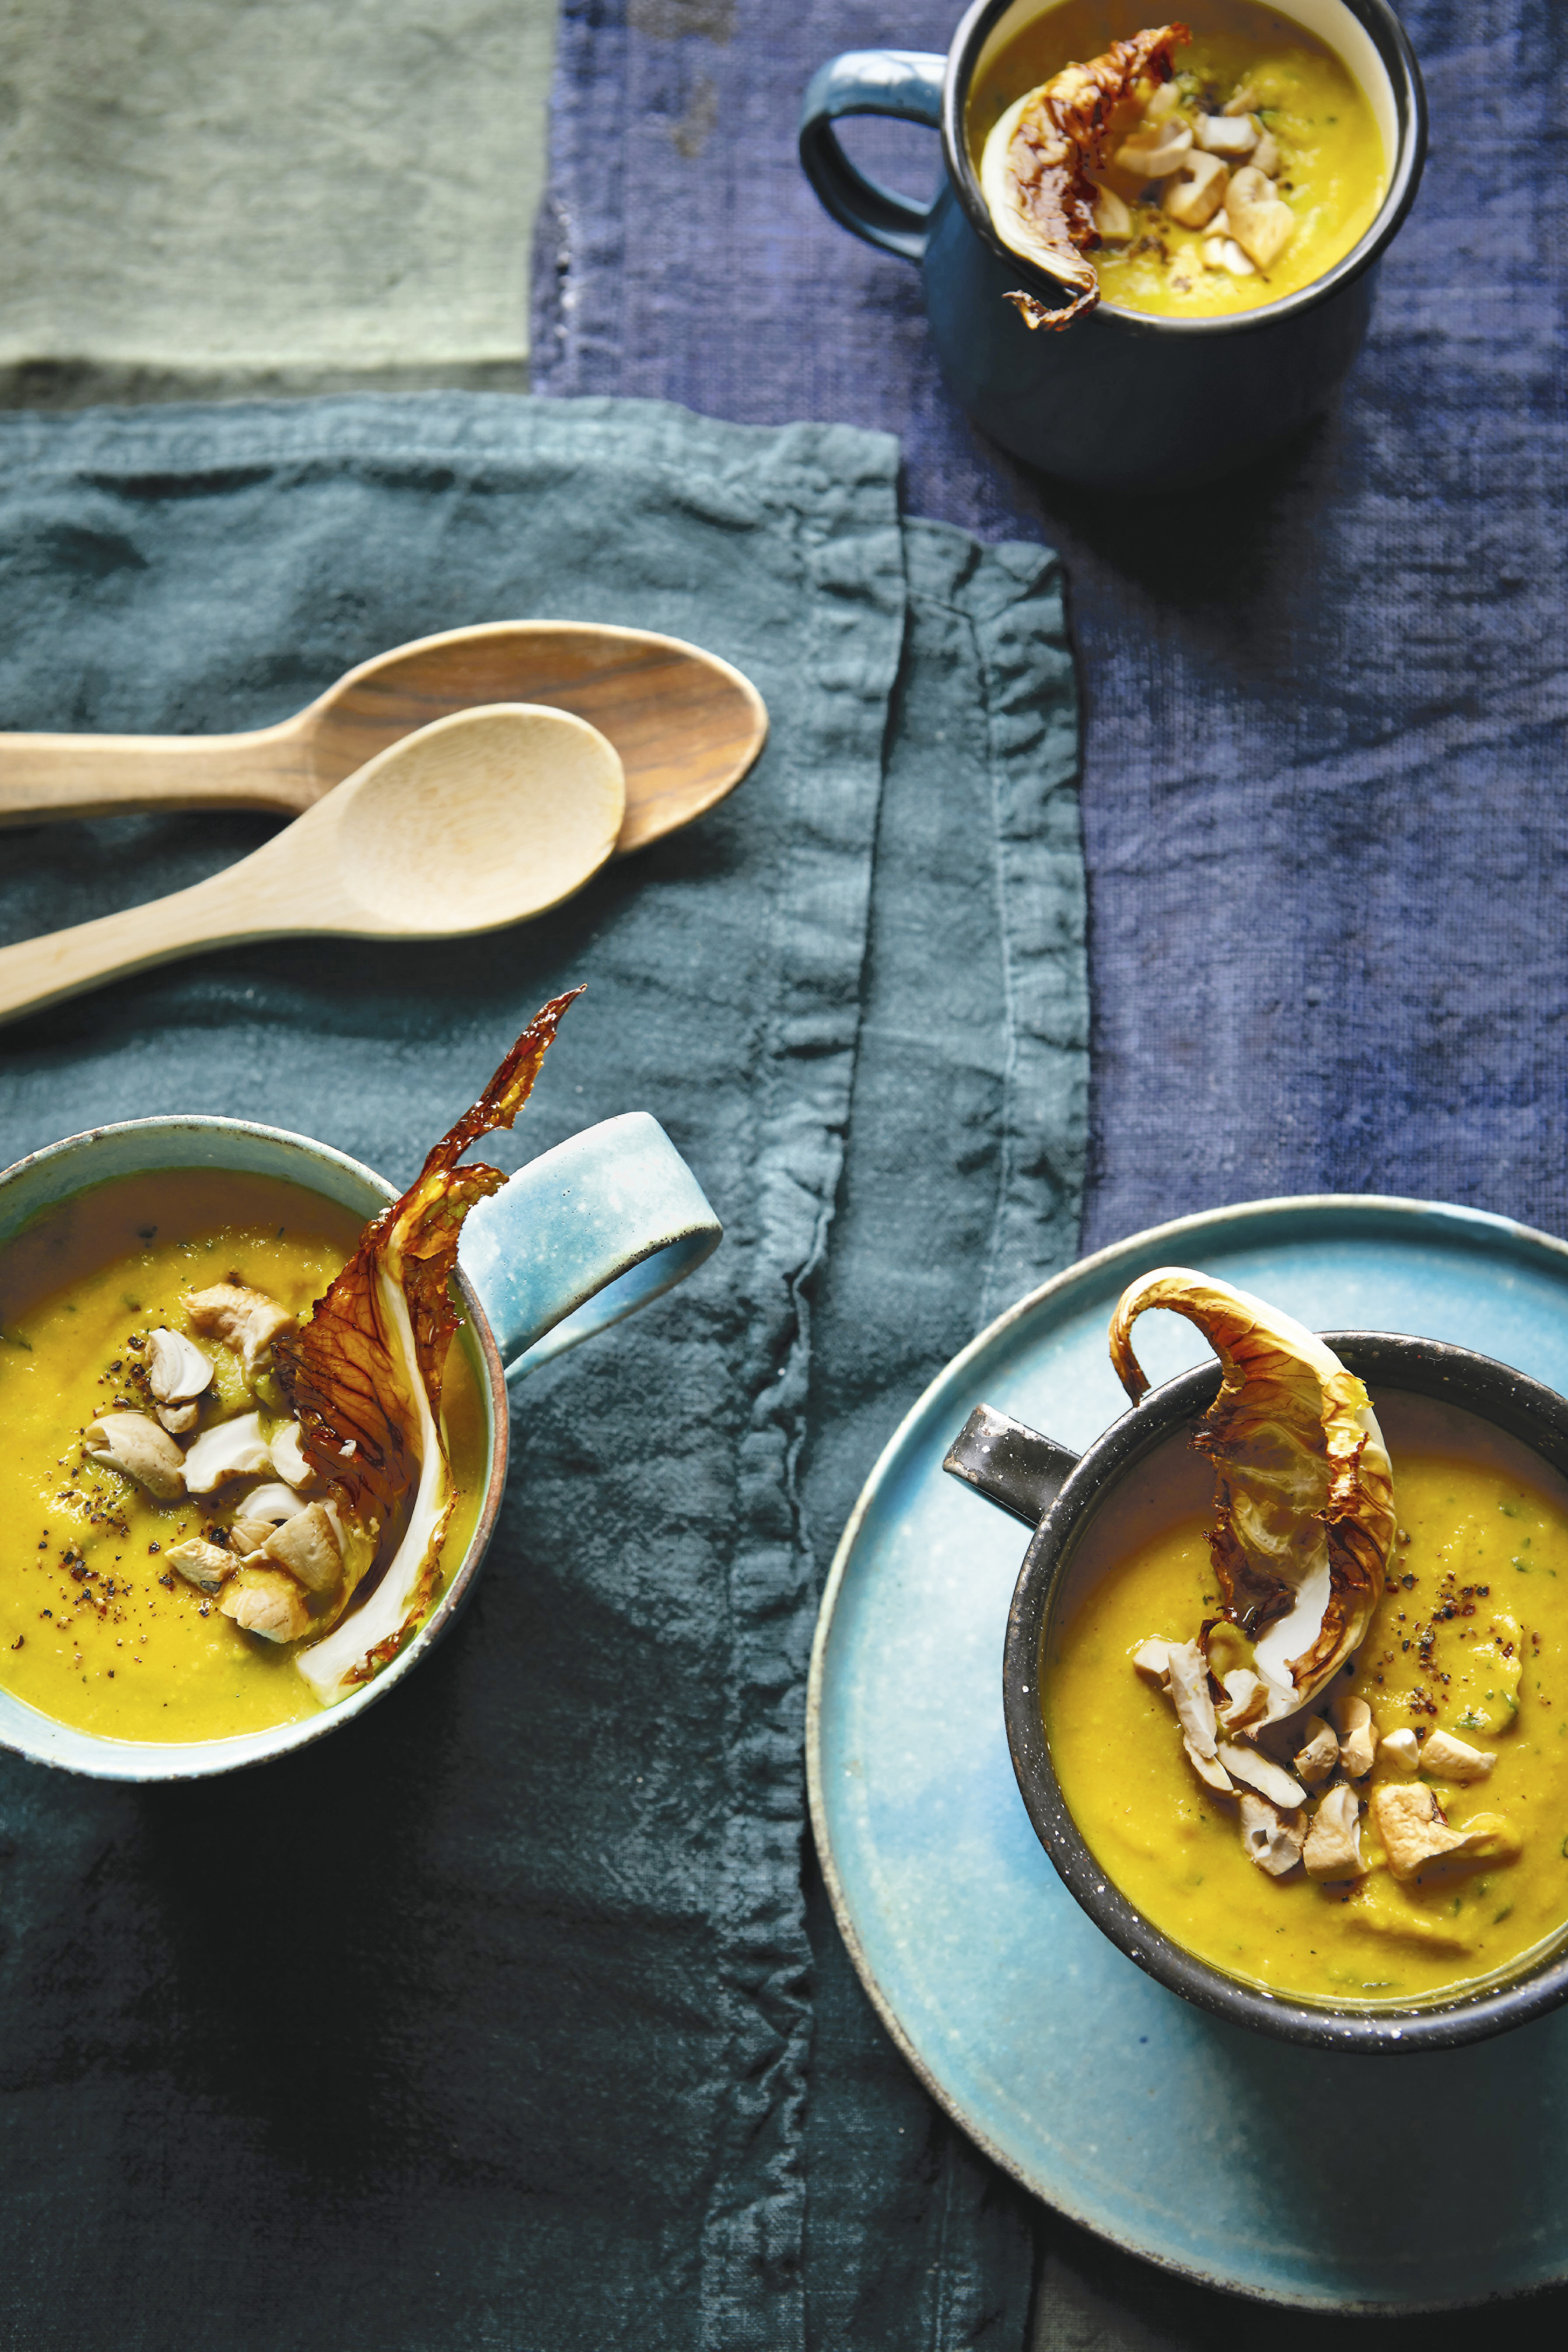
(1011, 1465)
(583, 1235)
(904, 83)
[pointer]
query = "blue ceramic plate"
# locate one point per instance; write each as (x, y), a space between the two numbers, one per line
(1303, 2177)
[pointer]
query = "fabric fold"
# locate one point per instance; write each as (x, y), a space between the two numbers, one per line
(559, 1872)
(961, 1185)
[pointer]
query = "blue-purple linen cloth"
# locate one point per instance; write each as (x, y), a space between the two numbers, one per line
(1326, 832)
(488, 2025)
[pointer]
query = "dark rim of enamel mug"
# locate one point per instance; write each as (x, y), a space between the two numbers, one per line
(1391, 1364)
(1392, 43)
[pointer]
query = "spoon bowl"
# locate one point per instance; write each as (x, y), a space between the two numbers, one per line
(687, 726)
(475, 820)
(481, 819)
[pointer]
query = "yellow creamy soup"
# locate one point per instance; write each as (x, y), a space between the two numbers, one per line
(1278, 133)
(1470, 1638)
(94, 1629)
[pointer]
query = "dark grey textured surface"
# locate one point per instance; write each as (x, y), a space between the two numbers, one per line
(961, 1189)
(492, 2022)
(1326, 839)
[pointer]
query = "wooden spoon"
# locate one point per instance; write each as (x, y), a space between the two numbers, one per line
(478, 820)
(687, 726)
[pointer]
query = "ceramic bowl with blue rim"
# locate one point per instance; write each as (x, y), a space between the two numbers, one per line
(583, 1235)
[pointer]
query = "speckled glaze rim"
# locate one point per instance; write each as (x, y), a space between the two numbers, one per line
(1391, 1364)
(136, 1760)
(1397, 57)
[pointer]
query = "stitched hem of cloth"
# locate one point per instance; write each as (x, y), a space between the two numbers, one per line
(1011, 596)
(263, 435)
(562, 267)
(752, 2289)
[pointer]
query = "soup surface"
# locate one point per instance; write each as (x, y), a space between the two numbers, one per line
(1331, 169)
(93, 1628)
(1471, 1635)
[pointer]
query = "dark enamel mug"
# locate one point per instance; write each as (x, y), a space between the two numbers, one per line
(1062, 1495)
(1121, 400)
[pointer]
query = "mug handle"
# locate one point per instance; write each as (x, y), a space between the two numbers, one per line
(1010, 1463)
(583, 1235)
(904, 83)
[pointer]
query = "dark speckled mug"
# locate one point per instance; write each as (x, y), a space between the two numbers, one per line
(1121, 400)
(1060, 1495)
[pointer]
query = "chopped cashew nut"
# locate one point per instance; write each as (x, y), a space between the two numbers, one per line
(1318, 1753)
(1165, 100)
(1153, 1659)
(1247, 1695)
(1402, 1750)
(1448, 1758)
(1197, 190)
(1333, 1843)
(1209, 1769)
(1242, 101)
(1228, 134)
(1260, 221)
(1154, 149)
(132, 1441)
(178, 1419)
(244, 1319)
(273, 1502)
(1223, 253)
(176, 1368)
(268, 1602)
(203, 1564)
(308, 1547)
(1271, 1841)
(1190, 1694)
(233, 1449)
(1411, 1829)
(1352, 1718)
(1265, 156)
(288, 1457)
(1113, 219)
(1270, 1780)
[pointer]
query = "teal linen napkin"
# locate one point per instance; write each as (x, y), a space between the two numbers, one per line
(497, 2021)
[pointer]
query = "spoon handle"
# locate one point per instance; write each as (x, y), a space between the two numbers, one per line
(50, 776)
(236, 904)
